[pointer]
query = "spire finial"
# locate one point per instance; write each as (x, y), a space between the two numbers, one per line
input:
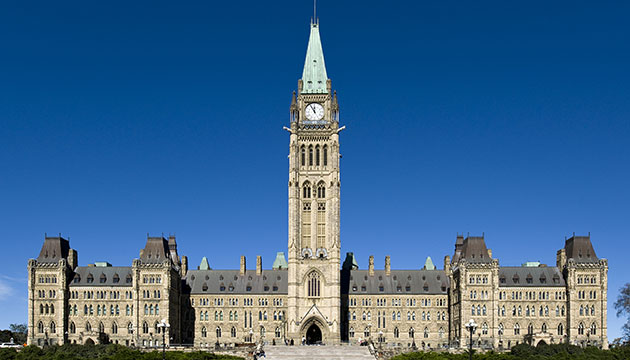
(315, 11)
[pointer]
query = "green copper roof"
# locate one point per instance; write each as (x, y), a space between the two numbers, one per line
(314, 75)
(280, 262)
(204, 264)
(350, 263)
(428, 265)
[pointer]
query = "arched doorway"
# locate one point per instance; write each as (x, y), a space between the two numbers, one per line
(89, 342)
(313, 335)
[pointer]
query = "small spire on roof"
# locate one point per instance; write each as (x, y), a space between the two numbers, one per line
(428, 264)
(204, 264)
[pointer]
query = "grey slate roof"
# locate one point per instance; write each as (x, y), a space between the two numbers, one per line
(580, 249)
(540, 276)
(409, 282)
(474, 250)
(82, 273)
(234, 283)
(53, 250)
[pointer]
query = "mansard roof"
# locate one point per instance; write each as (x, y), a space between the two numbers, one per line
(474, 250)
(54, 249)
(108, 274)
(403, 282)
(517, 276)
(232, 282)
(580, 249)
(155, 251)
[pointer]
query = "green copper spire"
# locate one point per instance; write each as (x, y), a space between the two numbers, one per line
(428, 265)
(204, 264)
(280, 262)
(314, 75)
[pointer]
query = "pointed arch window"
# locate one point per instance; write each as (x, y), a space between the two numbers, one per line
(145, 328)
(321, 190)
(73, 328)
(53, 327)
(593, 329)
(313, 284)
(233, 332)
(114, 328)
(581, 329)
(303, 154)
(130, 328)
(317, 155)
(306, 190)
(204, 332)
(218, 331)
(325, 155)
(517, 329)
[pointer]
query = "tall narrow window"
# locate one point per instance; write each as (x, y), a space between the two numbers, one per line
(310, 155)
(303, 162)
(325, 155)
(321, 190)
(317, 155)
(321, 225)
(306, 225)
(306, 191)
(313, 284)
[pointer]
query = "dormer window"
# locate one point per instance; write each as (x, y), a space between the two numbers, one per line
(502, 279)
(103, 279)
(529, 279)
(129, 279)
(515, 279)
(90, 279)
(77, 279)
(116, 279)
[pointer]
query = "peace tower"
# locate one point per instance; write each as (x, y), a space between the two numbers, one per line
(314, 185)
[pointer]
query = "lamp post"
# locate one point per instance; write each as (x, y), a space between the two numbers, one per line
(163, 325)
(471, 326)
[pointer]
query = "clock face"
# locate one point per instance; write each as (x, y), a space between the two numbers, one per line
(314, 111)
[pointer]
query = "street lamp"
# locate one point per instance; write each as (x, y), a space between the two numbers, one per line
(471, 326)
(163, 325)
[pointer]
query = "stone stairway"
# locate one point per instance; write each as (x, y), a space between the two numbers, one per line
(324, 352)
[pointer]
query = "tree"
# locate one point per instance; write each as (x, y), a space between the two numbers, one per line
(19, 332)
(623, 308)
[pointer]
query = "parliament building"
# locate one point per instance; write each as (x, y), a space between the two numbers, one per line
(311, 293)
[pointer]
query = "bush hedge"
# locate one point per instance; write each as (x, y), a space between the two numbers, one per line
(102, 352)
(526, 352)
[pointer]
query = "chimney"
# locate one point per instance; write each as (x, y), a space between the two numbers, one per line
(243, 265)
(388, 266)
(184, 268)
(258, 265)
(73, 259)
(561, 259)
(371, 266)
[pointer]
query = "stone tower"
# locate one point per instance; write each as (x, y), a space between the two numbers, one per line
(314, 265)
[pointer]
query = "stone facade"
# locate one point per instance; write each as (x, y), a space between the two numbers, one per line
(313, 296)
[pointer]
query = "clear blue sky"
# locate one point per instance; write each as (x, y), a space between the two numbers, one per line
(119, 119)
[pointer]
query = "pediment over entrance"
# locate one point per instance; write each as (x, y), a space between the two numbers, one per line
(314, 312)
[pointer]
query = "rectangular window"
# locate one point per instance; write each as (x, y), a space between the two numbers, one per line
(321, 225)
(306, 225)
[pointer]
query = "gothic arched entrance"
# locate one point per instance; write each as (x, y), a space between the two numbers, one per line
(313, 335)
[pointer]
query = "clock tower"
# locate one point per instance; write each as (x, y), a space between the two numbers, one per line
(314, 187)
